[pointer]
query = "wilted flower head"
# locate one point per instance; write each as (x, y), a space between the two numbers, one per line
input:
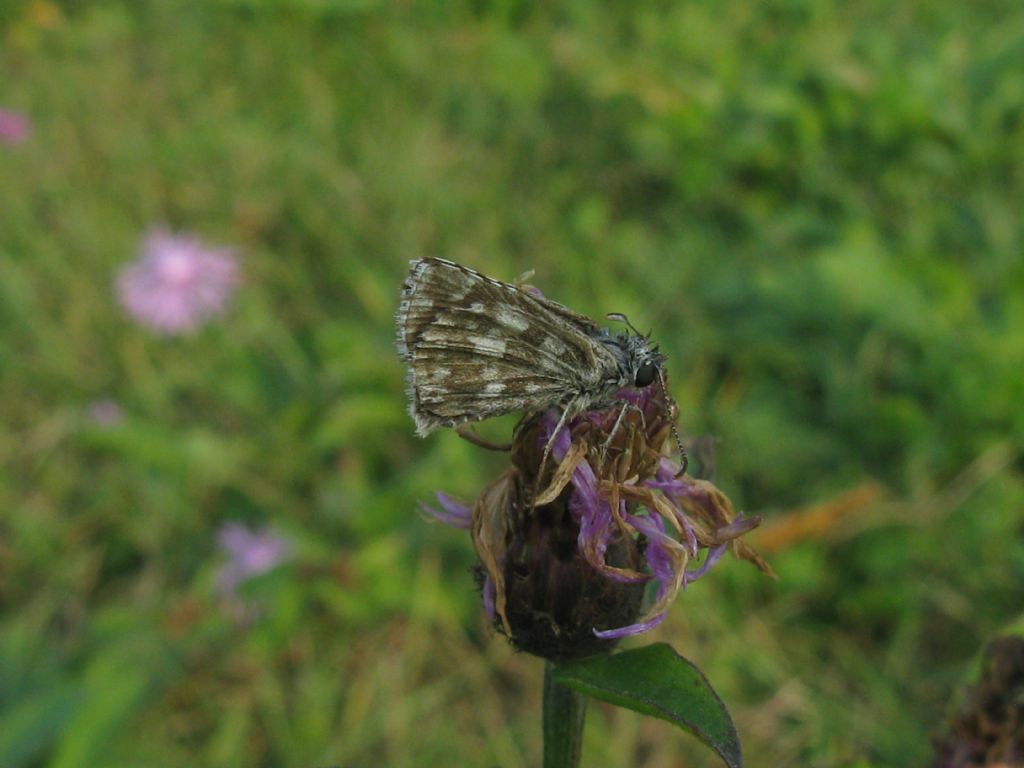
(988, 729)
(250, 553)
(15, 127)
(567, 549)
(177, 283)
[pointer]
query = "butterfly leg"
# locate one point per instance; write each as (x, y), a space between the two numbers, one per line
(472, 437)
(547, 449)
(551, 440)
(626, 407)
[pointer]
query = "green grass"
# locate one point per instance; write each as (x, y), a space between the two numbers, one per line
(816, 206)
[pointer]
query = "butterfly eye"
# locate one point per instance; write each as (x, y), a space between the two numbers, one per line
(645, 374)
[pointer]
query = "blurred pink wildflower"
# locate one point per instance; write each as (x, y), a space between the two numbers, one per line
(106, 412)
(15, 127)
(250, 554)
(177, 283)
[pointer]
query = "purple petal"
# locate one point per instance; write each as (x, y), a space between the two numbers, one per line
(663, 567)
(632, 629)
(490, 595)
(737, 527)
(667, 470)
(714, 555)
(233, 537)
(594, 515)
(584, 483)
(250, 553)
(453, 512)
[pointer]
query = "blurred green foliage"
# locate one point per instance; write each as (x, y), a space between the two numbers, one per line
(815, 205)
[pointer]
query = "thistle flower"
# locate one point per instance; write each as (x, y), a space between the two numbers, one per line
(15, 127)
(250, 554)
(177, 283)
(567, 549)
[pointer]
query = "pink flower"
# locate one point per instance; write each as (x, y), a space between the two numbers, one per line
(250, 553)
(177, 283)
(106, 412)
(15, 127)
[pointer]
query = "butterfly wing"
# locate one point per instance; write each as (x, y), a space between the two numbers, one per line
(478, 347)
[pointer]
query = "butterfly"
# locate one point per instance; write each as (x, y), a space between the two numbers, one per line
(477, 347)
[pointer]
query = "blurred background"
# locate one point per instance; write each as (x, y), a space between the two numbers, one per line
(210, 546)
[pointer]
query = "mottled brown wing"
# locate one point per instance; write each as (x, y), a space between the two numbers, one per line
(477, 347)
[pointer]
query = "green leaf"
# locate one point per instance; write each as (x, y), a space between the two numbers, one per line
(30, 726)
(114, 689)
(657, 681)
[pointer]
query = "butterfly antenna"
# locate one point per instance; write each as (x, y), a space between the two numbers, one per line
(684, 461)
(623, 319)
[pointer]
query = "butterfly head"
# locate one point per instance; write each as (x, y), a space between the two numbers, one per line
(645, 365)
(643, 362)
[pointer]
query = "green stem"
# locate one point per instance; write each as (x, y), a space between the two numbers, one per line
(564, 713)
